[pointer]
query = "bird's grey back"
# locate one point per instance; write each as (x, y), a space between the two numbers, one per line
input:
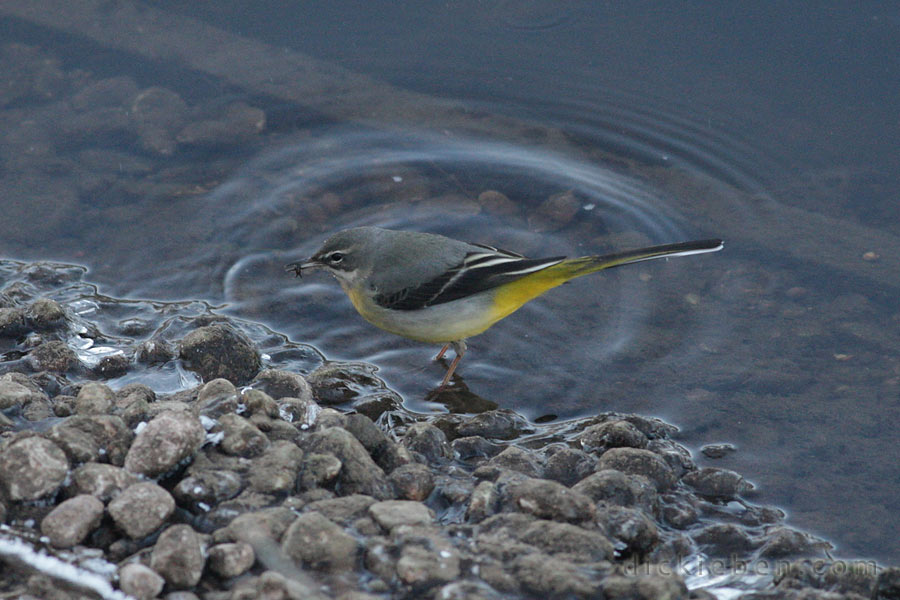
(405, 258)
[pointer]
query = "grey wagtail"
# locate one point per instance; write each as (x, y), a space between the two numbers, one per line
(434, 289)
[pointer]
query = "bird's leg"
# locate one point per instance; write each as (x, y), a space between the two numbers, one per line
(460, 349)
(440, 354)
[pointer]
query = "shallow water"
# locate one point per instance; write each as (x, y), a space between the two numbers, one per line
(661, 122)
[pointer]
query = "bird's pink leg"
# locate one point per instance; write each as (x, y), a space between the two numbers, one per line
(460, 349)
(440, 354)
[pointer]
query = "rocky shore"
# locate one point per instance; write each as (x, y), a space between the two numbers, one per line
(261, 482)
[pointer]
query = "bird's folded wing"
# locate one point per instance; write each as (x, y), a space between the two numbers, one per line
(480, 270)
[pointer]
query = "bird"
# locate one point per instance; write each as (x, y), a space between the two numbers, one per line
(434, 289)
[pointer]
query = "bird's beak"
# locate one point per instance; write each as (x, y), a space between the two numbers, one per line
(297, 267)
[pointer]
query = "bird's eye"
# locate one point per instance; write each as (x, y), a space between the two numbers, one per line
(335, 257)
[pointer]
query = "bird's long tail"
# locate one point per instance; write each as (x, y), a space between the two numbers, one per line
(576, 267)
(513, 295)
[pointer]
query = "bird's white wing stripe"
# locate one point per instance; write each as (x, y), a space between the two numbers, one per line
(535, 268)
(490, 262)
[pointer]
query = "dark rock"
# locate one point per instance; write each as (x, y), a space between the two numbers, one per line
(231, 559)
(318, 470)
(394, 513)
(14, 395)
(133, 392)
(497, 203)
(717, 450)
(629, 526)
(276, 471)
(548, 577)
(216, 398)
(612, 434)
(283, 384)
(52, 356)
(555, 212)
(179, 556)
(635, 461)
(412, 481)
(209, 487)
(338, 383)
(547, 500)
(71, 521)
(343, 511)
(259, 404)
(94, 399)
(112, 366)
(518, 460)
(238, 124)
(712, 482)
(428, 441)
(644, 587)
(266, 524)
(101, 480)
(359, 473)
(12, 322)
(302, 413)
(483, 503)
(614, 487)
(159, 114)
(316, 542)
(219, 351)
(242, 438)
(140, 581)
(166, 440)
(887, 585)
(724, 539)
(569, 466)
(141, 509)
(369, 435)
(44, 314)
(32, 468)
(475, 447)
(154, 351)
(680, 512)
(567, 541)
(784, 542)
(501, 424)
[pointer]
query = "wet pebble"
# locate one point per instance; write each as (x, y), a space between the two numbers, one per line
(112, 366)
(32, 468)
(13, 395)
(497, 203)
(412, 481)
(141, 509)
(548, 500)
(102, 481)
(238, 124)
(53, 356)
(394, 513)
(555, 212)
(208, 486)
(72, 521)
(635, 461)
(283, 384)
(614, 487)
(217, 351)
(94, 399)
(712, 482)
(242, 438)
(428, 441)
(231, 559)
(275, 472)
(12, 322)
(179, 556)
(140, 581)
(358, 473)
(569, 466)
(723, 539)
(45, 314)
(612, 434)
(717, 450)
(644, 587)
(501, 424)
(630, 527)
(166, 440)
(318, 543)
